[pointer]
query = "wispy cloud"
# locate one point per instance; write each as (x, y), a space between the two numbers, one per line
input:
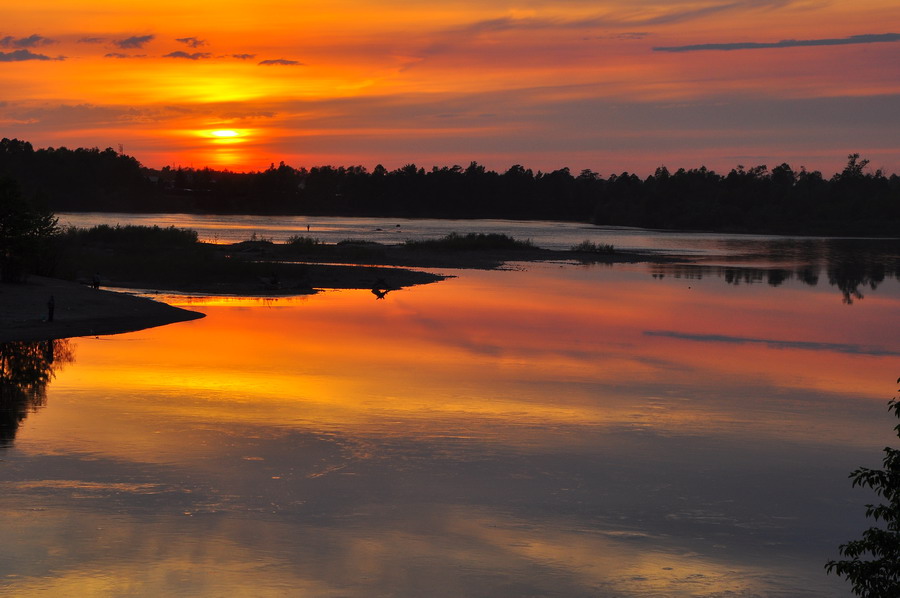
(680, 16)
(32, 41)
(280, 62)
(22, 55)
(91, 40)
(193, 42)
(135, 41)
(627, 17)
(194, 56)
(120, 55)
(244, 56)
(776, 344)
(869, 38)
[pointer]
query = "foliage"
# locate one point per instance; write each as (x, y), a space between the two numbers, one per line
(853, 202)
(872, 563)
(79, 179)
(133, 237)
(25, 235)
(587, 246)
(301, 243)
(471, 241)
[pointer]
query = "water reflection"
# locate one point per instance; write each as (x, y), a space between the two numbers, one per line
(26, 367)
(852, 265)
(851, 275)
(558, 431)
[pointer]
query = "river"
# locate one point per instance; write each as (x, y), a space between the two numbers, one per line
(544, 430)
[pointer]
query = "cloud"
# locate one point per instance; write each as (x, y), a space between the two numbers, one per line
(32, 41)
(22, 55)
(91, 40)
(625, 18)
(194, 56)
(135, 41)
(243, 56)
(280, 62)
(869, 38)
(193, 42)
(776, 344)
(120, 55)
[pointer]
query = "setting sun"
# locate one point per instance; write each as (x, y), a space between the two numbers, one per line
(225, 133)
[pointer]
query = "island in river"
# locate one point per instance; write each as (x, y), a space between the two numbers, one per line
(253, 268)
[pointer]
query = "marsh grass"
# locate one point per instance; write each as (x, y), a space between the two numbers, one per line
(130, 237)
(471, 242)
(152, 255)
(591, 247)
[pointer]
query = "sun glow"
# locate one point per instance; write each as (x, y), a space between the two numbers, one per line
(224, 133)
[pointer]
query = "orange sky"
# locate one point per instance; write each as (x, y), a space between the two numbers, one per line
(600, 85)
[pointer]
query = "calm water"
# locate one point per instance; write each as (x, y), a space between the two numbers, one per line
(552, 430)
(214, 228)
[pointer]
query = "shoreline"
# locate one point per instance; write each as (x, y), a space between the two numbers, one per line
(79, 311)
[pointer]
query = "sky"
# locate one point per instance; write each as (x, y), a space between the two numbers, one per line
(608, 86)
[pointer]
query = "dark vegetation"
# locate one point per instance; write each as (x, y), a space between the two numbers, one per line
(470, 242)
(25, 232)
(172, 259)
(854, 201)
(872, 563)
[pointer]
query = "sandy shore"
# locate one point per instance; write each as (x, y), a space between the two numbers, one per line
(79, 311)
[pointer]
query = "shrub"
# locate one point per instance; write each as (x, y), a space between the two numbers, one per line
(133, 236)
(471, 241)
(301, 243)
(872, 563)
(591, 247)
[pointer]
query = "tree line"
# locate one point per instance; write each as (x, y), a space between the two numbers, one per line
(855, 201)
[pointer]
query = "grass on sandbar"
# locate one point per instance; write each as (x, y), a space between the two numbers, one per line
(591, 247)
(470, 242)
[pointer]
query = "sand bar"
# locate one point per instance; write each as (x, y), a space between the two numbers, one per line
(79, 311)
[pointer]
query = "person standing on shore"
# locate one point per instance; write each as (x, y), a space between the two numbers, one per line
(51, 307)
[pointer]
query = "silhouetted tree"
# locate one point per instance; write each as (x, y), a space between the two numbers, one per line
(24, 234)
(872, 563)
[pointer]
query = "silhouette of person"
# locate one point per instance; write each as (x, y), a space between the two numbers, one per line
(51, 307)
(95, 281)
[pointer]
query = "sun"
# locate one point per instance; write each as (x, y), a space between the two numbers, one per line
(225, 133)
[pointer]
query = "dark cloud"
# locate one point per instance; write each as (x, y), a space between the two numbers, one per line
(91, 40)
(280, 62)
(244, 56)
(193, 42)
(777, 344)
(869, 38)
(21, 55)
(631, 35)
(194, 56)
(120, 55)
(32, 41)
(135, 41)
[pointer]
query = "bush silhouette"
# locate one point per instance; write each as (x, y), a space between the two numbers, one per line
(872, 563)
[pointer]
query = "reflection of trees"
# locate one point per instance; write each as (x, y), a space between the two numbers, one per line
(852, 265)
(26, 367)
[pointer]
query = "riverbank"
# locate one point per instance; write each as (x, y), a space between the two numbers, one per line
(78, 311)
